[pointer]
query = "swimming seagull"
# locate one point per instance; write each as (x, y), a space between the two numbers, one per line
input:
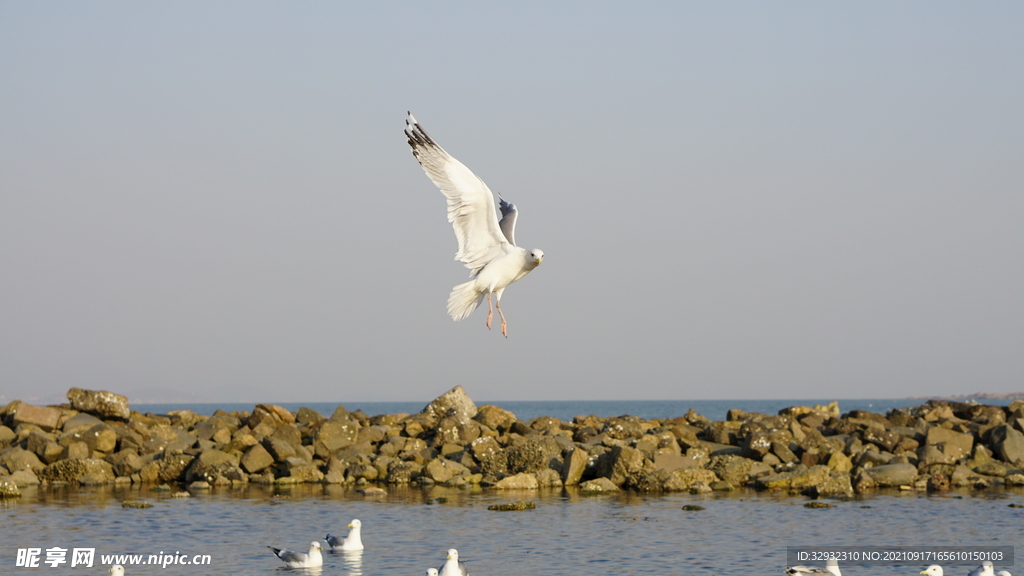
(984, 570)
(116, 570)
(831, 569)
(486, 246)
(300, 560)
(452, 567)
(350, 542)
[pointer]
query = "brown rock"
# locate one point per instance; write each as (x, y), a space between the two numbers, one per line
(100, 403)
(598, 485)
(42, 416)
(77, 469)
(795, 480)
(210, 464)
(454, 402)
(522, 481)
(495, 418)
(256, 459)
(574, 466)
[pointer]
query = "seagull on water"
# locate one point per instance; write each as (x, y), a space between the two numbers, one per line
(831, 569)
(348, 543)
(292, 559)
(452, 567)
(984, 570)
(486, 246)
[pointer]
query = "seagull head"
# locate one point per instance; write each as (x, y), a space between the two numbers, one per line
(453, 554)
(431, 571)
(536, 256)
(116, 570)
(933, 570)
(355, 524)
(315, 546)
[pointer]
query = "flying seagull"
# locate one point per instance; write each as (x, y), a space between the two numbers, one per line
(486, 246)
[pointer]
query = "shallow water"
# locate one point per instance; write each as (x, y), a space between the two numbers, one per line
(567, 534)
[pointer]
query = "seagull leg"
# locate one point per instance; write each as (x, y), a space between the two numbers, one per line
(498, 304)
(490, 311)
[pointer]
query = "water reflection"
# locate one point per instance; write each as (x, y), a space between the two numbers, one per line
(351, 561)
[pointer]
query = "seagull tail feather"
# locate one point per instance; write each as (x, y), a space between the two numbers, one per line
(463, 300)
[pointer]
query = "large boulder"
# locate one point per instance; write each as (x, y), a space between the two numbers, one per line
(495, 418)
(455, 403)
(210, 464)
(902, 474)
(956, 444)
(76, 469)
(621, 465)
(333, 435)
(441, 470)
(256, 459)
(44, 417)
(1008, 443)
(100, 403)
(574, 466)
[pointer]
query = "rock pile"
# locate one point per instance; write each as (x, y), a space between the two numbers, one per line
(96, 439)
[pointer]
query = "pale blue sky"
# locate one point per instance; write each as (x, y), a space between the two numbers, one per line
(735, 200)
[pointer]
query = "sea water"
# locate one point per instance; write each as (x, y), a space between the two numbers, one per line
(567, 534)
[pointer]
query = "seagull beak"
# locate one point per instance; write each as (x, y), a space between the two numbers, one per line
(449, 556)
(349, 525)
(923, 572)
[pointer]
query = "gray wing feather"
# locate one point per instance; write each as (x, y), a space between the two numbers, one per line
(508, 220)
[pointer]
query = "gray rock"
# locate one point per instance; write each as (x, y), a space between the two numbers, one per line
(957, 444)
(76, 469)
(893, 474)
(1009, 445)
(170, 468)
(105, 405)
(80, 420)
(455, 403)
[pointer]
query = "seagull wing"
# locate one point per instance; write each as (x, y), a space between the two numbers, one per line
(470, 202)
(508, 219)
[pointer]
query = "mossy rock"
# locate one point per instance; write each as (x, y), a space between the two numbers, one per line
(512, 506)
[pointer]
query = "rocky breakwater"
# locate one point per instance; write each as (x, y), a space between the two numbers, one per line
(97, 439)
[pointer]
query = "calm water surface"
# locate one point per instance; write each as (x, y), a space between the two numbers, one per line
(567, 534)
